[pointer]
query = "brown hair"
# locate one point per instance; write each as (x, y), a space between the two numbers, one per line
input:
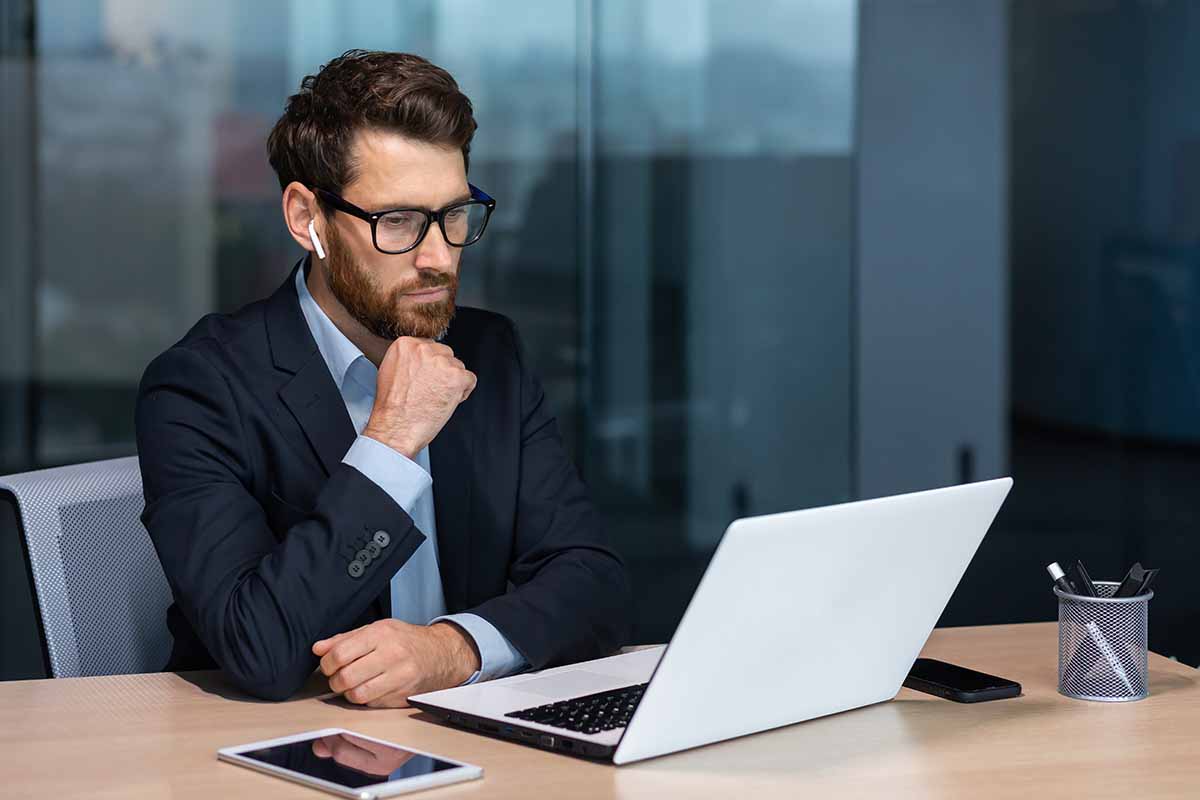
(365, 89)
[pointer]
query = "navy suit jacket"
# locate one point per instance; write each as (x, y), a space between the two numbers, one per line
(241, 431)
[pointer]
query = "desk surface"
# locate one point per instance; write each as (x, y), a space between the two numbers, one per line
(157, 735)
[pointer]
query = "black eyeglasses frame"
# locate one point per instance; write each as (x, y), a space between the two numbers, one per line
(478, 197)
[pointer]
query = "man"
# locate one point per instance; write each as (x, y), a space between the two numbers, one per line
(330, 470)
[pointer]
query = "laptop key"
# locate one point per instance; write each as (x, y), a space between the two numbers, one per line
(590, 714)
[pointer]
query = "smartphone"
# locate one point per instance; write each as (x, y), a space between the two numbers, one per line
(957, 683)
(349, 764)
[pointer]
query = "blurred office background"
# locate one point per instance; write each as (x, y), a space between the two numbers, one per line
(816, 251)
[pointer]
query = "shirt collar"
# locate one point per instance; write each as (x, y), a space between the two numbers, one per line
(338, 351)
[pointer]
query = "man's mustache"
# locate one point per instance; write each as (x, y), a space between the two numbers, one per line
(428, 279)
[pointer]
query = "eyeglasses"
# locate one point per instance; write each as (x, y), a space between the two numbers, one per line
(399, 230)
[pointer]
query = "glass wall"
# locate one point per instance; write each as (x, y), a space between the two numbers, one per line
(721, 273)
(673, 234)
(1105, 243)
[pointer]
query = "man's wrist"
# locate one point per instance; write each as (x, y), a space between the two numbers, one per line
(463, 655)
(391, 441)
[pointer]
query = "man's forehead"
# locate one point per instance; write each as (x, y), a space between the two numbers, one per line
(390, 168)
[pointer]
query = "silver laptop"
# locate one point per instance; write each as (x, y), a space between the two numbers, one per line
(798, 615)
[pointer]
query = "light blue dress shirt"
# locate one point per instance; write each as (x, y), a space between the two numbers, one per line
(417, 595)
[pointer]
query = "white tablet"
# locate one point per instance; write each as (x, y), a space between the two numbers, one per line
(349, 764)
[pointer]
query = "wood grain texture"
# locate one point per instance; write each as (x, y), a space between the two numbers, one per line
(157, 735)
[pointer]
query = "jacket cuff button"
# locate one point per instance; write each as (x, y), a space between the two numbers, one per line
(381, 538)
(356, 569)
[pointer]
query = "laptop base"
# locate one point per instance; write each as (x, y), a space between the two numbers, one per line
(516, 733)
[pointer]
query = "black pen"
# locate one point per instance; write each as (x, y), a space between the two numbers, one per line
(1083, 582)
(1060, 578)
(1132, 581)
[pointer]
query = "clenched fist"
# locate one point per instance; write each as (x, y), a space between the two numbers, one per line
(382, 664)
(420, 384)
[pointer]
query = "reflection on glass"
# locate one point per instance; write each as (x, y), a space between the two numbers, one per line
(723, 217)
(348, 760)
(679, 267)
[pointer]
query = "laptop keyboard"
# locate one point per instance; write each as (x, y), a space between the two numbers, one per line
(592, 713)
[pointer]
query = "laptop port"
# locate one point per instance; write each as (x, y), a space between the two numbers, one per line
(547, 741)
(489, 727)
(567, 744)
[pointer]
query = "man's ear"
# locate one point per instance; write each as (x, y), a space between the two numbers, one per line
(300, 210)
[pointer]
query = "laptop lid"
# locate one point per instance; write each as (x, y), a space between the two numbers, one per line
(809, 613)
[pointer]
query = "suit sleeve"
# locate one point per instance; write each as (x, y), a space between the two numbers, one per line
(257, 602)
(571, 597)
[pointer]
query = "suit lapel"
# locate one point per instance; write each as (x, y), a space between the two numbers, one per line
(310, 394)
(315, 402)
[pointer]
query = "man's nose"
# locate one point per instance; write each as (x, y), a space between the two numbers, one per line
(433, 252)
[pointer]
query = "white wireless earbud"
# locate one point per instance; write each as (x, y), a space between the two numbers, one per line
(312, 237)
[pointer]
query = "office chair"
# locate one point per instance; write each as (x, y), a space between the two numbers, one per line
(100, 591)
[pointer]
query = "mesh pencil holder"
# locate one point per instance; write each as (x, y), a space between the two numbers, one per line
(1102, 645)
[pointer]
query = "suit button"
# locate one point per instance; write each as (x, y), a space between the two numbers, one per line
(373, 549)
(364, 556)
(381, 538)
(356, 569)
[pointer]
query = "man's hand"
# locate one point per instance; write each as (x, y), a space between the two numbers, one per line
(420, 384)
(381, 664)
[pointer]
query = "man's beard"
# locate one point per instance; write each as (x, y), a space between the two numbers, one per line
(381, 314)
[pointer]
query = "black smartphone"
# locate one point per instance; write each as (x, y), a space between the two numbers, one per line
(957, 683)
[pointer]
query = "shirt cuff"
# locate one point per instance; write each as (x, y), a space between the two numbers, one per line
(497, 657)
(402, 478)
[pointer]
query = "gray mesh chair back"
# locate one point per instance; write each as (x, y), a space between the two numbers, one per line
(100, 589)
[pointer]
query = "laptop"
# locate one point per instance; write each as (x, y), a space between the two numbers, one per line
(797, 616)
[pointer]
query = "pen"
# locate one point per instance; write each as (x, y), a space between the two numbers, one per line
(1083, 581)
(1106, 650)
(1060, 578)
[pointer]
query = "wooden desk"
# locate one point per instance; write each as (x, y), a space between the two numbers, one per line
(157, 735)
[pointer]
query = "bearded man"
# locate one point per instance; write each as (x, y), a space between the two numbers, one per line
(354, 474)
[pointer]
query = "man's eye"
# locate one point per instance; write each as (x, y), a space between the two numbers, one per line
(399, 220)
(455, 214)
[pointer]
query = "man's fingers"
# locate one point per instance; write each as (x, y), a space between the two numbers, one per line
(429, 346)
(321, 646)
(320, 747)
(364, 693)
(394, 699)
(470, 386)
(358, 672)
(346, 650)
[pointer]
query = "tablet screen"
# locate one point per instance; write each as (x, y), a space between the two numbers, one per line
(348, 760)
